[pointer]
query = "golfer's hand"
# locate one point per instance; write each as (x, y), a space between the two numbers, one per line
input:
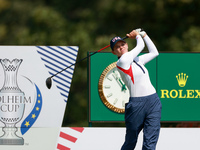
(132, 34)
(142, 33)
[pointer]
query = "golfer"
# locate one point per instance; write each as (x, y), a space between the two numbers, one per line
(143, 111)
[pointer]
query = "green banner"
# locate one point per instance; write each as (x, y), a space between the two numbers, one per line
(174, 75)
(178, 86)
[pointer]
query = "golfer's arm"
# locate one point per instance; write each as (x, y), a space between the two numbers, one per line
(153, 52)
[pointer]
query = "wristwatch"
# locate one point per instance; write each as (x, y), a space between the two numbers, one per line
(112, 90)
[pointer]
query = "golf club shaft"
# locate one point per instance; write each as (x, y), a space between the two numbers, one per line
(84, 58)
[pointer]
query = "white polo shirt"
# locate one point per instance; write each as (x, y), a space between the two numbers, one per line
(132, 70)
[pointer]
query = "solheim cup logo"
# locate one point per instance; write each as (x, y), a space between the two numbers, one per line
(11, 103)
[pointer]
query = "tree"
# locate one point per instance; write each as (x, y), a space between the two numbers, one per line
(172, 24)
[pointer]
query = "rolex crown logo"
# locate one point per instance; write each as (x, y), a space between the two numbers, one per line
(182, 79)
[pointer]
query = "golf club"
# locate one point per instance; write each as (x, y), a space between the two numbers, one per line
(49, 81)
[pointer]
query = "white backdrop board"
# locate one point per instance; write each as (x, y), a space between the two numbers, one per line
(26, 104)
(113, 138)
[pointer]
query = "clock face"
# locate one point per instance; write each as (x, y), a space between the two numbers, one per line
(112, 90)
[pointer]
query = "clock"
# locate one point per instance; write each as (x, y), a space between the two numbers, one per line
(112, 90)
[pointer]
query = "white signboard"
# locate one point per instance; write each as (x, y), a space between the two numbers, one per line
(26, 104)
(113, 139)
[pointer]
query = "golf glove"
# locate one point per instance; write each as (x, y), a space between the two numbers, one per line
(138, 30)
(141, 32)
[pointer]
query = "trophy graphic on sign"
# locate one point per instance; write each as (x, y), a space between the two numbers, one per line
(11, 103)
